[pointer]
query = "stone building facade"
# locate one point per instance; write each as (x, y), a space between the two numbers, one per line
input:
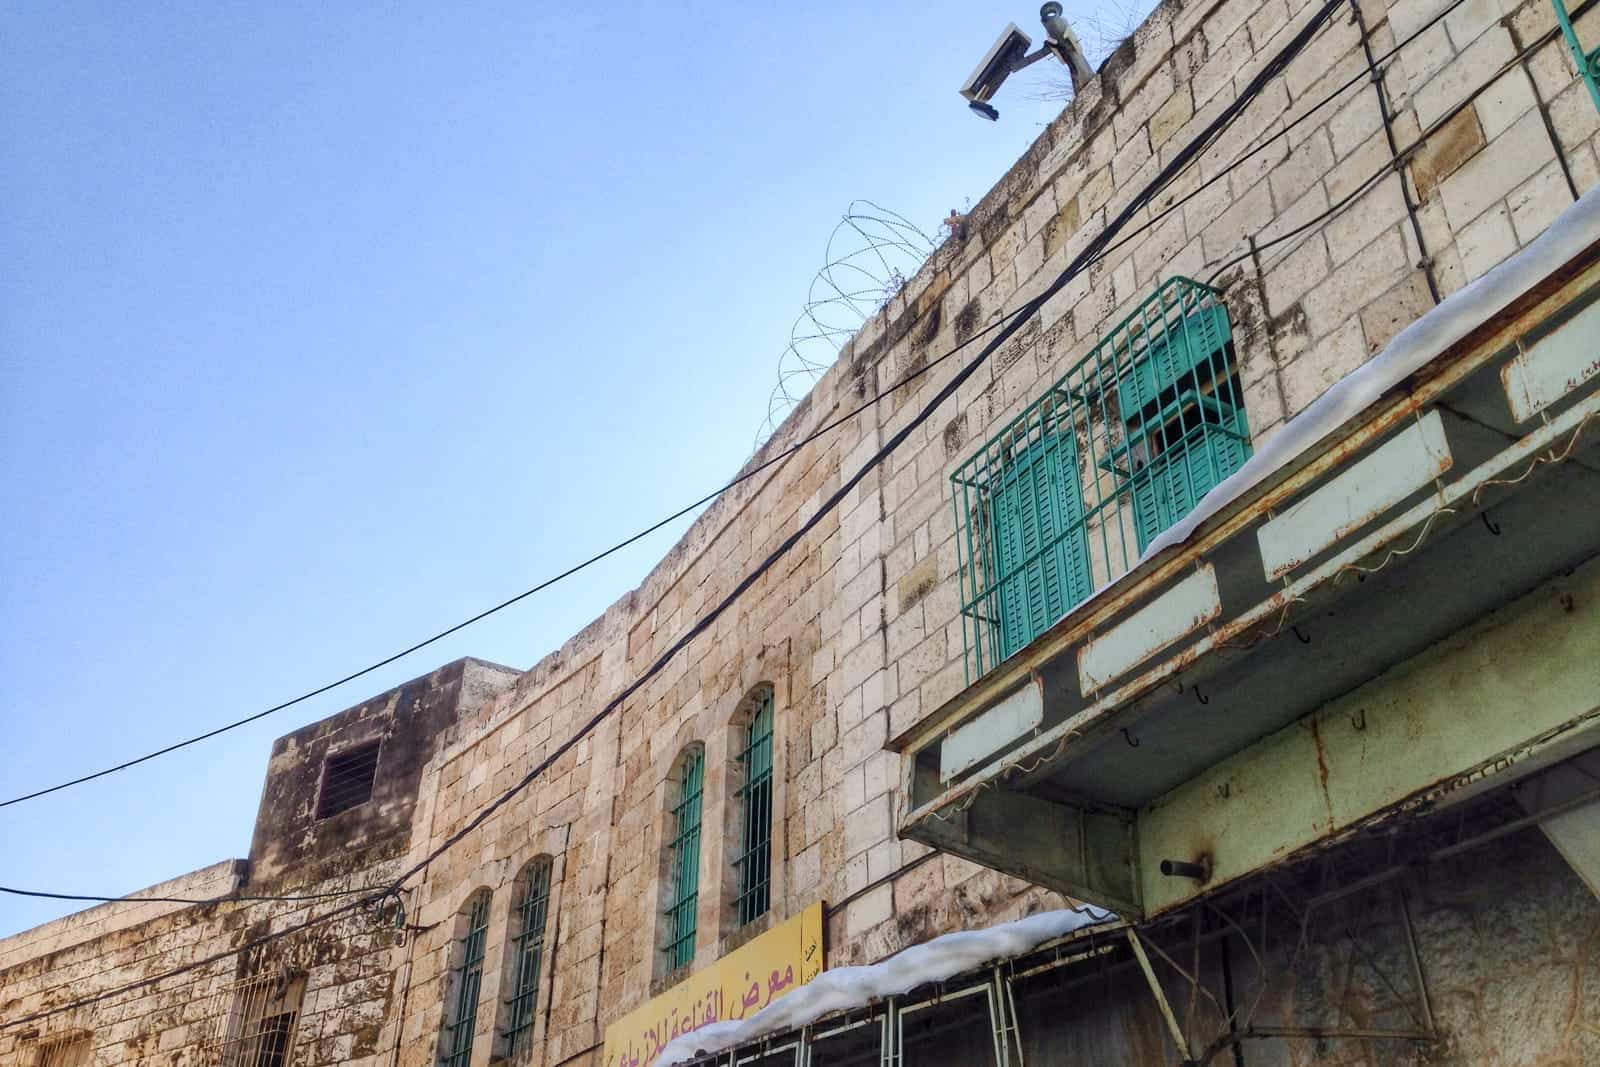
(1395, 158)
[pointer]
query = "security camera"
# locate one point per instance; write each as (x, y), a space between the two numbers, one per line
(1064, 43)
(1006, 55)
(1010, 53)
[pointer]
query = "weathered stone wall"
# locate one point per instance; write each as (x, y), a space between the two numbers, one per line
(353, 967)
(857, 628)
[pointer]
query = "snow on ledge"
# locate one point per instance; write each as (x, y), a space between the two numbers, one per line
(1412, 348)
(854, 987)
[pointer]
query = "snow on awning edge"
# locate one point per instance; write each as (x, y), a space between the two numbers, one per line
(844, 988)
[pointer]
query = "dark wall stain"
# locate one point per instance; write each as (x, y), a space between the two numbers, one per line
(966, 321)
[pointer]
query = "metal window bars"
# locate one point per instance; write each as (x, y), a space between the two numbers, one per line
(1588, 61)
(64, 1050)
(527, 947)
(347, 779)
(683, 853)
(754, 862)
(1069, 493)
(975, 1024)
(456, 1047)
(253, 1024)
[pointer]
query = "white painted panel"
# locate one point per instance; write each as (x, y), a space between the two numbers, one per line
(1015, 716)
(1355, 496)
(1555, 365)
(1180, 610)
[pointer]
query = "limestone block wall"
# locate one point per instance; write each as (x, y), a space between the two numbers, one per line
(1326, 241)
(857, 628)
(350, 967)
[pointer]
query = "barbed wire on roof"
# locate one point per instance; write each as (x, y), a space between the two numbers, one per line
(870, 254)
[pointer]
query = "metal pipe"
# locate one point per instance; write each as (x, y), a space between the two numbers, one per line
(1544, 109)
(1200, 872)
(1261, 1032)
(1426, 262)
(1450, 850)
(1158, 993)
(1417, 974)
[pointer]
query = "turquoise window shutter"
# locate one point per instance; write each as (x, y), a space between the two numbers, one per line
(1211, 442)
(1041, 547)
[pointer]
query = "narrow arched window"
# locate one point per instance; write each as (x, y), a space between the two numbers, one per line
(528, 909)
(466, 979)
(753, 863)
(683, 857)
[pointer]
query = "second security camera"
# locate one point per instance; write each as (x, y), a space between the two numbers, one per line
(1010, 53)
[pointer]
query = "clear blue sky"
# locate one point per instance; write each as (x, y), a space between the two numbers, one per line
(323, 327)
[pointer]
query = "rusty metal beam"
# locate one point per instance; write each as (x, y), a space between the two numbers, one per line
(1509, 695)
(1099, 716)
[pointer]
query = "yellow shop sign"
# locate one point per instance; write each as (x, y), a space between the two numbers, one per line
(740, 984)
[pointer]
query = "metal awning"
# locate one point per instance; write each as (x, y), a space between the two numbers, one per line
(1409, 611)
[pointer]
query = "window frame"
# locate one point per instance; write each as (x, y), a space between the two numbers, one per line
(464, 991)
(1117, 448)
(685, 823)
(345, 753)
(524, 963)
(756, 730)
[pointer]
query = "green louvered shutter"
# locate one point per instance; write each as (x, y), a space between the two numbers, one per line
(1188, 354)
(1176, 481)
(1041, 548)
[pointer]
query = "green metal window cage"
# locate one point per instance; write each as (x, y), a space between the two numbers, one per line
(527, 949)
(754, 862)
(1588, 62)
(468, 980)
(683, 858)
(1069, 493)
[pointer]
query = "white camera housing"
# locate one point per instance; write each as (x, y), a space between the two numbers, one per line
(1002, 58)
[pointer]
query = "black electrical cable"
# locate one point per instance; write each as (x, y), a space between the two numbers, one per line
(229, 898)
(1199, 147)
(1401, 155)
(1011, 321)
(509, 601)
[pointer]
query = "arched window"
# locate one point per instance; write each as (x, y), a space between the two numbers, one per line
(466, 978)
(526, 956)
(683, 856)
(753, 862)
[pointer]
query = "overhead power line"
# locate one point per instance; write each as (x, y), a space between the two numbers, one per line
(140, 898)
(743, 477)
(1200, 143)
(1012, 320)
(765, 464)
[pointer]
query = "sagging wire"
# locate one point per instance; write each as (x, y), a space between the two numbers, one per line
(1257, 636)
(1209, 138)
(1008, 769)
(1395, 553)
(1551, 457)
